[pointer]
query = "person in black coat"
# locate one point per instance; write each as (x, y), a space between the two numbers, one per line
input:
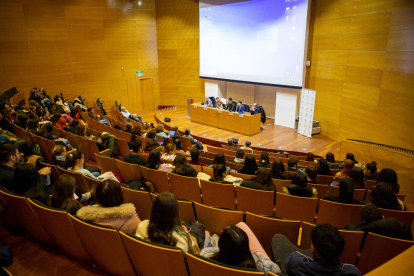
(134, 158)
(250, 165)
(324, 167)
(261, 181)
(346, 192)
(182, 167)
(264, 160)
(231, 106)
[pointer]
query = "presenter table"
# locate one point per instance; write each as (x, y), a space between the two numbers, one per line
(246, 124)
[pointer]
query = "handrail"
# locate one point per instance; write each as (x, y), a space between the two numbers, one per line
(384, 146)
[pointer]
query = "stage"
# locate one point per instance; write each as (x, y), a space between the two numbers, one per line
(272, 136)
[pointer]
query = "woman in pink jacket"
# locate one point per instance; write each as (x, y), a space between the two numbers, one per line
(111, 209)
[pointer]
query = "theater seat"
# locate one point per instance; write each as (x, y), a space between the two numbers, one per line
(218, 195)
(185, 187)
(255, 201)
(156, 177)
(141, 201)
(296, 207)
(338, 214)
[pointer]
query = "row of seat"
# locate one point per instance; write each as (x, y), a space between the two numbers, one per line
(122, 254)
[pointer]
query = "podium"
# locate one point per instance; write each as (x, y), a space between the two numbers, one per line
(189, 102)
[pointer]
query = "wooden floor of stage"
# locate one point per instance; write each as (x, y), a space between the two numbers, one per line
(272, 136)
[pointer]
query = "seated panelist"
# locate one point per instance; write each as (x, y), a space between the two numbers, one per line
(240, 107)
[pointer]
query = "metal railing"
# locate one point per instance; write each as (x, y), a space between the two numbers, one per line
(385, 146)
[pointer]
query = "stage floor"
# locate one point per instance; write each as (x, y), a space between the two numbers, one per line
(272, 136)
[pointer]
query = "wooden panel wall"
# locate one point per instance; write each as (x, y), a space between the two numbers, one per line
(178, 51)
(77, 47)
(362, 54)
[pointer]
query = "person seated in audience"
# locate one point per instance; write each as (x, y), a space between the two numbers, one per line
(383, 196)
(179, 147)
(81, 131)
(247, 145)
(33, 126)
(195, 154)
(151, 145)
(182, 168)
(219, 103)
(389, 176)
(357, 175)
(324, 167)
(230, 143)
(231, 106)
(176, 132)
(322, 259)
(169, 152)
(159, 129)
(278, 170)
(310, 157)
(240, 107)
(261, 181)
(292, 164)
(239, 157)
(348, 165)
(73, 126)
(64, 195)
(371, 171)
(264, 160)
(250, 165)
(255, 109)
(27, 183)
(219, 174)
(9, 159)
(154, 162)
(208, 102)
(152, 135)
(311, 173)
(59, 156)
(134, 158)
(238, 246)
(356, 164)
(136, 131)
(164, 225)
(125, 113)
(46, 132)
(110, 209)
(75, 162)
(62, 123)
(298, 187)
(373, 221)
(193, 141)
(330, 157)
(346, 192)
(128, 128)
(220, 159)
(97, 118)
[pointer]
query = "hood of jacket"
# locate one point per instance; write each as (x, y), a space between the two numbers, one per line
(97, 212)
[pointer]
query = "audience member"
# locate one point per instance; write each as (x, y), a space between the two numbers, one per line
(348, 165)
(136, 131)
(357, 175)
(154, 162)
(33, 126)
(250, 165)
(182, 168)
(324, 167)
(152, 135)
(151, 145)
(389, 176)
(311, 173)
(220, 159)
(169, 153)
(230, 143)
(247, 145)
(125, 113)
(372, 221)
(159, 129)
(231, 106)
(219, 174)
(195, 154)
(261, 181)
(278, 170)
(346, 192)
(110, 209)
(310, 157)
(73, 126)
(63, 195)
(298, 187)
(383, 196)
(356, 164)
(128, 128)
(264, 160)
(240, 107)
(134, 158)
(97, 118)
(59, 156)
(27, 183)
(179, 147)
(326, 247)
(9, 159)
(371, 171)
(193, 141)
(165, 226)
(75, 162)
(174, 130)
(292, 164)
(239, 157)
(238, 246)
(331, 161)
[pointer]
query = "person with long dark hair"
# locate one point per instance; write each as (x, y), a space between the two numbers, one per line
(323, 167)
(310, 157)
(154, 162)
(261, 181)
(169, 152)
(371, 171)
(250, 165)
(357, 175)
(75, 162)
(383, 196)
(330, 158)
(63, 194)
(278, 170)
(220, 159)
(182, 167)
(238, 246)
(164, 225)
(389, 176)
(264, 160)
(151, 145)
(346, 192)
(27, 183)
(298, 186)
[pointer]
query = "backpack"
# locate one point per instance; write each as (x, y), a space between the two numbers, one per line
(37, 150)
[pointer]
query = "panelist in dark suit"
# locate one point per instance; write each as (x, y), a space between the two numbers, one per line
(255, 109)
(231, 106)
(240, 107)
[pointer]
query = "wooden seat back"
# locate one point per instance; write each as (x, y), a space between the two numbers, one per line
(158, 178)
(128, 171)
(218, 195)
(255, 201)
(185, 187)
(296, 207)
(338, 214)
(141, 201)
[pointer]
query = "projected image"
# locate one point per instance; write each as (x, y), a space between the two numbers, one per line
(261, 41)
